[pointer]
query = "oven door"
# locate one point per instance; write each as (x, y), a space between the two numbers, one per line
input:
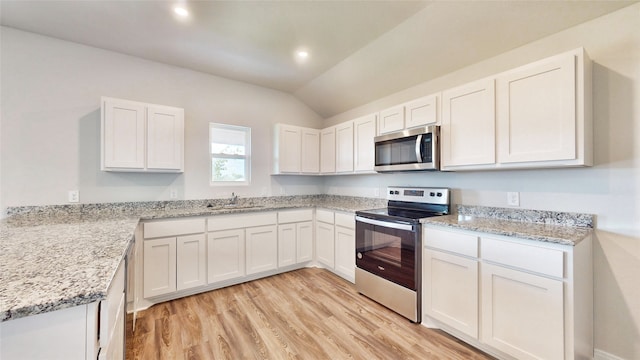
(389, 250)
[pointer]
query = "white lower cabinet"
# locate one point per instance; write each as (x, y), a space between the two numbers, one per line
(450, 292)
(534, 298)
(335, 242)
(522, 313)
(262, 249)
(159, 267)
(191, 266)
(225, 255)
(325, 238)
(173, 258)
(345, 246)
(295, 237)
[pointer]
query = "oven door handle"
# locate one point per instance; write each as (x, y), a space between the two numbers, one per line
(387, 224)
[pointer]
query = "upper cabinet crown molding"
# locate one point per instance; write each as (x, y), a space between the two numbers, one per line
(141, 137)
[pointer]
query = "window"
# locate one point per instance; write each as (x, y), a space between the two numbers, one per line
(230, 154)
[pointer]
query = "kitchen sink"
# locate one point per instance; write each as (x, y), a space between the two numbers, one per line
(234, 207)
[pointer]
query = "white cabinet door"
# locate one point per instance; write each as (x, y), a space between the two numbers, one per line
(364, 130)
(344, 147)
(468, 125)
(123, 142)
(391, 119)
(450, 290)
(225, 255)
(325, 244)
(345, 252)
(165, 138)
(420, 112)
(262, 249)
(159, 266)
(537, 111)
(287, 241)
(522, 313)
(289, 149)
(304, 241)
(328, 150)
(310, 163)
(191, 261)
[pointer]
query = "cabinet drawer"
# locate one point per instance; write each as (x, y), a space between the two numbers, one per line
(325, 216)
(291, 216)
(173, 228)
(455, 242)
(532, 258)
(227, 222)
(345, 220)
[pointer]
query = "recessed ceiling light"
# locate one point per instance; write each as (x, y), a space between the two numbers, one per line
(181, 11)
(302, 54)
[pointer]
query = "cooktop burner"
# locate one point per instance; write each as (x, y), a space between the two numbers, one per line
(411, 204)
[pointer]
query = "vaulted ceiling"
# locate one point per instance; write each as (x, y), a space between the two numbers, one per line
(359, 51)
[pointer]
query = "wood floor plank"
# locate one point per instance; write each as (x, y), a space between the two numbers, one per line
(303, 314)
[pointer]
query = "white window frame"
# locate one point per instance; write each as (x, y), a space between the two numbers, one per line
(246, 156)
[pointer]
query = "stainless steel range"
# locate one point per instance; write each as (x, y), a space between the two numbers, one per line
(389, 247)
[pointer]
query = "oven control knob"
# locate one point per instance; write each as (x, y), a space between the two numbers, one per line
(359, 255)
(396, 192)
(390, 192)
(432, 194)
(439, 194)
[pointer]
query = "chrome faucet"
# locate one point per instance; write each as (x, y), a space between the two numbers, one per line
(234, 199)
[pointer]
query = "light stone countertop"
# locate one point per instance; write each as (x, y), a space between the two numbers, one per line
(547, 226)
(56, 257)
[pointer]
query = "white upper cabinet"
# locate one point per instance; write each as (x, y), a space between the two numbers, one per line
(165, 138)
(541, 115)
(420, 112)
(344, 147)
(364, 130)
(297, 150)
(288, 154)
(391, 119)
(123, 137)
(468, 125)
(310, 161)
(141, 137)
(328, 150)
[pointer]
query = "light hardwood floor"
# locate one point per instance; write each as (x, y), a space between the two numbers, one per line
(304, 314)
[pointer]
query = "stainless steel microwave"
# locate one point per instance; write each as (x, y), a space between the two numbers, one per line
(408, 150)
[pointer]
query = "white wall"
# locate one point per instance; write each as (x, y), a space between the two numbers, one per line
(51, 93)
(610, 189)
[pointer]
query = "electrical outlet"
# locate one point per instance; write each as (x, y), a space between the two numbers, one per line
(173, 193)
(282, 191)
(513, 198)
(376, 192)
(74, 196)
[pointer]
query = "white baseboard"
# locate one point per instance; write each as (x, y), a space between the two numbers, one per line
(603, 355)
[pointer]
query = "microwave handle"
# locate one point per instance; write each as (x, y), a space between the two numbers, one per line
(419, 148)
